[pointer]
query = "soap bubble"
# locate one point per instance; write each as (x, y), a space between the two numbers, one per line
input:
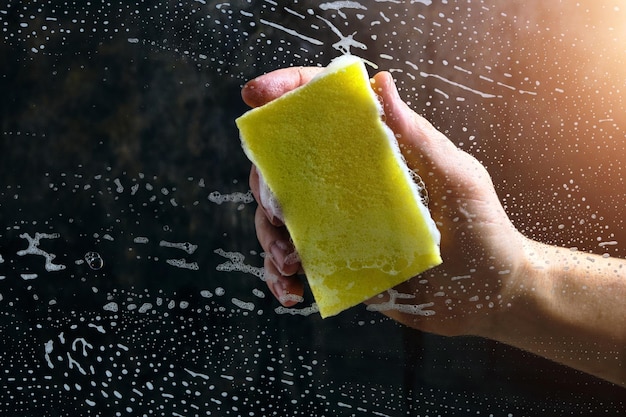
(94, 260)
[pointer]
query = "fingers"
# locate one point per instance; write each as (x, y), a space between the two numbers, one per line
(281, 261)
(287, 290)
(276, 243)
(268, 87)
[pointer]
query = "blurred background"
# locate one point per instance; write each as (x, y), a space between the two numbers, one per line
(129, 266)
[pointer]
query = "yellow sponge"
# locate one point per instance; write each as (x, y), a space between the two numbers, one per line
(347, 197)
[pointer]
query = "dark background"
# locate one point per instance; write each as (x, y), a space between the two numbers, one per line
(116, 124)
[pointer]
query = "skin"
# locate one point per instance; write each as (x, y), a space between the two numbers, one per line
(494, 282)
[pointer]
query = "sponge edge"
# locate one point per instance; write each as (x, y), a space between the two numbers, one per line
(348, 199)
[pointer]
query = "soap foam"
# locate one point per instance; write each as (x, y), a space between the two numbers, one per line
(268, 199)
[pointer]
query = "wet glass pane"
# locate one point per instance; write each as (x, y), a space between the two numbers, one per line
(130, 272)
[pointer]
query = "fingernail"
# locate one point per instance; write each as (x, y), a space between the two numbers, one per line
(279, 290)
(279, 252)
(283, 295)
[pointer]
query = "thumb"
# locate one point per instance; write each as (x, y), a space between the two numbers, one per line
(419, 141)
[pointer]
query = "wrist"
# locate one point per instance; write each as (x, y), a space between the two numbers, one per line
(522, 294)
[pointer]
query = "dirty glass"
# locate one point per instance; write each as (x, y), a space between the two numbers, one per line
(130, 273)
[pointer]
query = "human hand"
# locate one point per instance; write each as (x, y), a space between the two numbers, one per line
(480, 247)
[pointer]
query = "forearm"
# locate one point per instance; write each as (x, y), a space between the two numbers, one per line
(570, 307)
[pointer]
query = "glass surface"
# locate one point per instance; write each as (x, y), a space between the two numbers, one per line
(129, 266)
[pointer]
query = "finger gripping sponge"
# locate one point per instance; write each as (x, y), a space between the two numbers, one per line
(348, 199)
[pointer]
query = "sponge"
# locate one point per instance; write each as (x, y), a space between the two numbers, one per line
(348, 199)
